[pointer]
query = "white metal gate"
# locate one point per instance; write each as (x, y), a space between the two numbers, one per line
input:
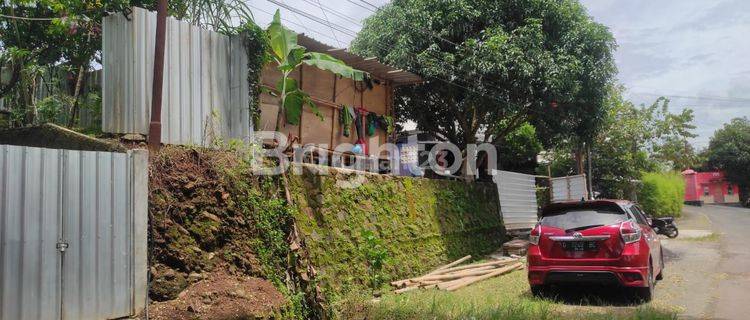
(517, 196)
(570, 188)
(73, 233)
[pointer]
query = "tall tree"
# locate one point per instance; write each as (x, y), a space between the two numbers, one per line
(729, 150)
(633, 140)
(492, 66)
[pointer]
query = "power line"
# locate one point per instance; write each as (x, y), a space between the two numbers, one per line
(292, 22)
(359, 5)
(329, 22)
(714, 98)
(369, 4)
(25, 18)
(338, 14)
(300, 22)
(339, 28)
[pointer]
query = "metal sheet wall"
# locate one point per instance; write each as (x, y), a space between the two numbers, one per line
(570, 188)
(96, 203)
(205, 93)
(517, 195)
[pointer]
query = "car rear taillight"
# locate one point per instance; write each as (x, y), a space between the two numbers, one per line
(630, 232)
(534, 235)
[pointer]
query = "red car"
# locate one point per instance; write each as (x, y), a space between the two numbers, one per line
(597, 242)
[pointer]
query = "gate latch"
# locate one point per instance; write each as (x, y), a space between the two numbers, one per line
(61, 245)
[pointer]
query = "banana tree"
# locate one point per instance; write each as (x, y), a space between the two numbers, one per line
(288, 56)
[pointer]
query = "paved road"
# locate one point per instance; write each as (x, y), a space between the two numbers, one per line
(709, 278)
(733, 287)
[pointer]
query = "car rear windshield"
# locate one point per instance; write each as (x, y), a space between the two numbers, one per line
(582, 218)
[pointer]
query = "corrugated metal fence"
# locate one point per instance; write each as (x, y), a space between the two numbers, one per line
(517, 194)
(570, 188)
(73, 232)
(205, 93)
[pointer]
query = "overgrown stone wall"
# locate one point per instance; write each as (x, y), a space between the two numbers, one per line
(209, 214)
(348, 224)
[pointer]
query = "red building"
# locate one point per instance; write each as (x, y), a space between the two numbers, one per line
(709, 187)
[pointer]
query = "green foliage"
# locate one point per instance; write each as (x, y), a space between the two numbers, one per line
(662, 194)
(412, 226)
(729, 150)
(52, 107)
(256, 48)
(376, 255)
(508, 60)
(70, 39)
(217, 15)
(518, 150)
(288, 56)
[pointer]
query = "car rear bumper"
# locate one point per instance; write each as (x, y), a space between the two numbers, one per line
(625, 276)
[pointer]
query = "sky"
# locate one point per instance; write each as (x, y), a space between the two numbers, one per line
(695, 52)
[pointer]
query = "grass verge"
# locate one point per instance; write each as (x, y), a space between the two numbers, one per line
(707, 238)
(506, 297)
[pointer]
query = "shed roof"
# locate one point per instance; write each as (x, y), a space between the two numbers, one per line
(371, 65)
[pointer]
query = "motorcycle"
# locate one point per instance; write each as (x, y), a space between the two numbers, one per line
(665, 226)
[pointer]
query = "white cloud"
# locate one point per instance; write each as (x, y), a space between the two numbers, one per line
(683, 48)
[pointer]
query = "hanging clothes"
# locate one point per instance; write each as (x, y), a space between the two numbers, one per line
(372, 123)
(359, 122)
(346, 117)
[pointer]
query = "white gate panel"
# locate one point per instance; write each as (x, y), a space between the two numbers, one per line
(29, 231)
(91, 204)
(205, 94)
(570, 188)
(517, 195)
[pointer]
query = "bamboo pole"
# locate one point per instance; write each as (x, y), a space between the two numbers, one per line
(405, 282)
(496, 273)
(400, 283)
(454, 263)
(457, 275)
(476, 265)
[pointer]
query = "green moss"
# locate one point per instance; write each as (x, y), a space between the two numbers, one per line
(420, 223)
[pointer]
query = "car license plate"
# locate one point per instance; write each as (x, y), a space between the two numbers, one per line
(580, 245)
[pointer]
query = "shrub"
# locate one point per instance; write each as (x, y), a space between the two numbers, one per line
(662, 194)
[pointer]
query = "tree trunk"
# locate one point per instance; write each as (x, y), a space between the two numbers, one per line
(34, 114)
(466, 172)
(76, 94)
(579, 157)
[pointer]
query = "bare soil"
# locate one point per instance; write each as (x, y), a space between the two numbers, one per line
(222, 296)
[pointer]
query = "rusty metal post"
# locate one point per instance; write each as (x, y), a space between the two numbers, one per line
(154, 128)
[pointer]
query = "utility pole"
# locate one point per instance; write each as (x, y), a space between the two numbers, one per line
(154, 128)
(588, 157)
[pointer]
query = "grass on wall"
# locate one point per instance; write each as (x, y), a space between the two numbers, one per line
(385, 228)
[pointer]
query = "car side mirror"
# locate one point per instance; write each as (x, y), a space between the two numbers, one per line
(650, 222)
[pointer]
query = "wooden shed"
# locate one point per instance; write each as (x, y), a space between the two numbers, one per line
(331, 93)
